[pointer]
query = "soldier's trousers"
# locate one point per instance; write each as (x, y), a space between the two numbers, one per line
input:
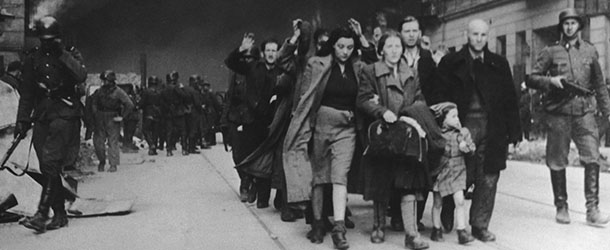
(176, 127)
(107, 131)
(151, 129)
(54, 141)
(194, 129)
(485, 184)
(129, 130)
(563, 128)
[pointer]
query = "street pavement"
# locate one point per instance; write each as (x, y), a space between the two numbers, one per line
(191, 202)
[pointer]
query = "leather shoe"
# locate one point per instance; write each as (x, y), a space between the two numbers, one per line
(464, 237)
(483, 234)
(100, 167)
(112, 168)
(58, 221)
(37, 223)
(437, 235)
(415, 242)
(317, 232)
(338, 236)
(562, 216)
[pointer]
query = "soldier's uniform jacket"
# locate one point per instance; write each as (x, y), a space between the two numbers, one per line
(176, 101)
(50, 85)
(111, 99)
(151, 103)
(579, 64)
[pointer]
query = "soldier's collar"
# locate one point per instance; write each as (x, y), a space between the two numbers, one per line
(565, 43)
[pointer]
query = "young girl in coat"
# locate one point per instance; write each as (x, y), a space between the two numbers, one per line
(451, 179)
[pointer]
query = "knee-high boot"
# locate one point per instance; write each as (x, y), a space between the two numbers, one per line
(39, 221)
(558, 181)
(379, 211)
(60, 217)
(594, 216)
(413, 239)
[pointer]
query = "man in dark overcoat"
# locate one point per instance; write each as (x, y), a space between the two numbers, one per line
(481, 84)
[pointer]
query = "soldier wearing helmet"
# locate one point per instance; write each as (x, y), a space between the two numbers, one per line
(569, 62)
(109, 105)
(151, 117)
(194, 118)
(177, 104)
(52, 76)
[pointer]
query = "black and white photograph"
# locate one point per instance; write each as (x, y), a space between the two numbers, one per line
(304, 124)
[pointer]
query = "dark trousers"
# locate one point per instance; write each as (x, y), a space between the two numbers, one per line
(129, 130)
(485, 184)
(176, 128)
(194, 129)
(54, 142)
(151, 129)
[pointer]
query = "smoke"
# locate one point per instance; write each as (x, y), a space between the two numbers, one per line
(46, 8)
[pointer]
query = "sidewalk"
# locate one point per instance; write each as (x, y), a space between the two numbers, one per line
(523, 216)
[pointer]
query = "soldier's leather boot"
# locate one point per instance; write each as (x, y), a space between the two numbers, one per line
(38, 223)
(558, 181)
(594, 216)
(100, 166)
(169, 152)
(60, 218)
(112, 168)
(378, 233)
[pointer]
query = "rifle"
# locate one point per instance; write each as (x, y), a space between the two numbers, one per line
(575, 89)
(8, 154)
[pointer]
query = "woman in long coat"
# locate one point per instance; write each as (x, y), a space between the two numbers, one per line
(321, 138)
(388, 89)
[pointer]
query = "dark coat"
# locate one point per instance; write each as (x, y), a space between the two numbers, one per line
(59, 71)
(266, 160)
(382, 175)
(426, 72)
(455, 84)
(176, 101)
(151, 103)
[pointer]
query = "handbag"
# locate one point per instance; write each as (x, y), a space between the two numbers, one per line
(397, 140)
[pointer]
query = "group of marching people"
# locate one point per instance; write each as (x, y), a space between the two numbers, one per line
(297, 113)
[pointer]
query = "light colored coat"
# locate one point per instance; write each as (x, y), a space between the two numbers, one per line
(297, 164)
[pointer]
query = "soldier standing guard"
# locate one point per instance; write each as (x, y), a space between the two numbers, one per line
(50, 100)
(109, 105)
(568, 65)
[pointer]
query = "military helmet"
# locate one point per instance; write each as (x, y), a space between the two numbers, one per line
(47, 27)
(173, 76)
(108, 75)
(153, 80)
(570, 13)
(193, 79)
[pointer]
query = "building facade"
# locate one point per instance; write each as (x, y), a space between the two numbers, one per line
(12, 39)
(519, 28)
